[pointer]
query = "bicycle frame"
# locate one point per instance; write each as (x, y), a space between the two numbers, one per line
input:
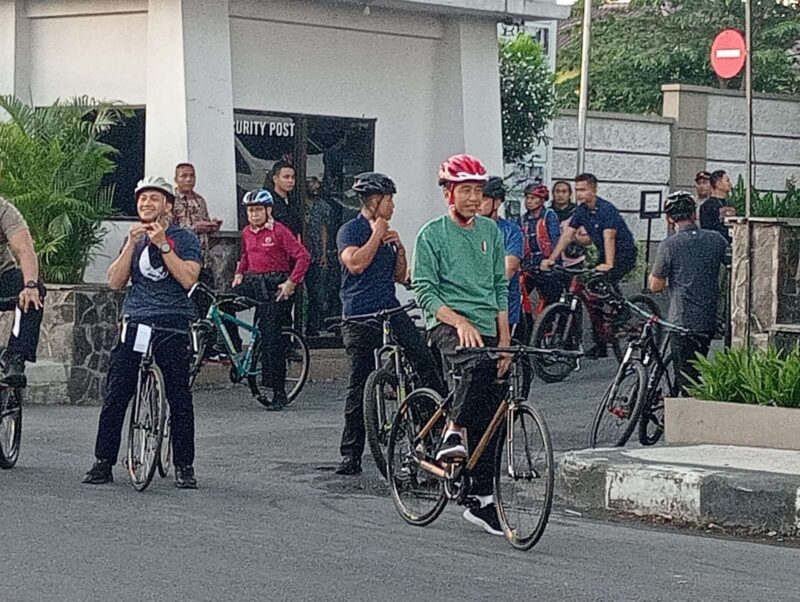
(241, 361)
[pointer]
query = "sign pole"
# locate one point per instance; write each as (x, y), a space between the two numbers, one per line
(583, 103)
(748, 169)
(647, 252)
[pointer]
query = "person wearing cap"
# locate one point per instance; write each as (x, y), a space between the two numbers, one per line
(702, 186)
(459, 279)
(494, 194)
(373, 260)
(162, 262)
(272, 265)
(687, 265)
(541, 232)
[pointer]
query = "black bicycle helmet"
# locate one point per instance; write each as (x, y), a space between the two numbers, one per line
(371, 182)
(494, 188)
(680, 205)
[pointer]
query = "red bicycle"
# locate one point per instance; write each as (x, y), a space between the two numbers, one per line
(560, 325)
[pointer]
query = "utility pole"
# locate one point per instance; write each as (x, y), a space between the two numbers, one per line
(748, 166)
(583, 104)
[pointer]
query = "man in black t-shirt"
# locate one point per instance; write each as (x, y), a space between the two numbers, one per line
(162, 262)
(716, 208)
(285, 208)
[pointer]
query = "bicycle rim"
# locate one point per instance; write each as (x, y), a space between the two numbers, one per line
(418, 495)
(145, 428)
(651, 425)
(298, 361)
(618, 413)
(524, 478)
(10, 427)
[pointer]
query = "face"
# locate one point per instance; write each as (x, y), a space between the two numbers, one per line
(257, 215)
(561, 195)
(383, 206)
(467, 198)
(585, 192)
(284, 181)
(151, 206)
(488, 206)
(185, 179)
(703, 188)
(533, 202)
(724, 184)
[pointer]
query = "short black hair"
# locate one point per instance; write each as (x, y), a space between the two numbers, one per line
(567, 184)
(179, 165)
(716, 176)
(587, 177)
(278, 166)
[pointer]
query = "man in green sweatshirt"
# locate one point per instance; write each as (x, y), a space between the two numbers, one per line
(460, 282)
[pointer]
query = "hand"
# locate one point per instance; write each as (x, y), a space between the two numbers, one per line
(237, 280)
(392, 237)
(29, 297)
(285, 290)
(604, 267)
(546, 264)
(136, 232)
(379, 226)
(468, 336)
(157, 233)
(503, 364)
(582, 237)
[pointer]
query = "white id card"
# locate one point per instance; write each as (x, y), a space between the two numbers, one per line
(17, 319)
(143, 334)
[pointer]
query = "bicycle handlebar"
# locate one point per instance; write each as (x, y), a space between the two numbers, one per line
(516, 350)
(658, 320)
(384, 313)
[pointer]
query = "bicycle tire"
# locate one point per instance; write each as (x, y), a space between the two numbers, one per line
(651, 423)
(548, 333)
(165, 453)
(197, 361)
(300, 350)
(621, 405)
(403, 472)
(10, 426)
(538, 471)
(378, 414)
(147, 414)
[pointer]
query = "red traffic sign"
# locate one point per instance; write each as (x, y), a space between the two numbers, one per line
(728, 53)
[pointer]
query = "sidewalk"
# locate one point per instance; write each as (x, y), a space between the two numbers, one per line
(729, 487)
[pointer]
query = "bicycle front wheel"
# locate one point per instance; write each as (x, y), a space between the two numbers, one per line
(146, 427)
(418, 494)
(651, 424)
(381, 402)
(618, 413)
(557, 328)
(524, 477)
(10, 426)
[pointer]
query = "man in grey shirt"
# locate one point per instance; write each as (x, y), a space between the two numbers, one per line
(688, 264)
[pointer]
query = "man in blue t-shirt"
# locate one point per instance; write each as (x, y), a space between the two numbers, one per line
(162, 262)
(373, 260)
(611, 236)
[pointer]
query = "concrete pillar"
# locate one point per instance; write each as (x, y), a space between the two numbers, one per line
(14, 50)
(689, 109)
(190, 98)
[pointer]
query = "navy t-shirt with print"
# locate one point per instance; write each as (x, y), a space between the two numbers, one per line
(605, 217)
(373, 289)
(155, 296)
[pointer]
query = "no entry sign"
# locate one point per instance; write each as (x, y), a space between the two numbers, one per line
(728, 53)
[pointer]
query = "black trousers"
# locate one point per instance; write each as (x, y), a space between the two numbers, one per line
(11, 284)
(360, 342)
(172, 356)
(476, 398)
(272, 317)
(684, 350)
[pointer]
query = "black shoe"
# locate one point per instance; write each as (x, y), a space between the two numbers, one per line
(99, 474)
(184, 477)
(279, 401)
(350, 465)
(485, 518)
(597, 352)
(14, 375)
(452, 449)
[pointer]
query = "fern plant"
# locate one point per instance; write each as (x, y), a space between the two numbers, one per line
(51, 167)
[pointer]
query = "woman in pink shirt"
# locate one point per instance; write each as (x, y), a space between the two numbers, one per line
(272, 265)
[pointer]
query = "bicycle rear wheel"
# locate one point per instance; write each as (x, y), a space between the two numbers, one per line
(298, 362)
(651, 424)
(524, 478)
(10, 426)
(381, 402)
(418, 495)
(557, 328)
(618, 413)
(145, 428)
(165, 454)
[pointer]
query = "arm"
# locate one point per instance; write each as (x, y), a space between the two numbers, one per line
(21, 245)
(185, 272)
(610, 246)
(300, 255)
(657, 281)
(514, 251)
(244, 262)
(563, 242)
(553, 227)
(358, 259)
(119, 272)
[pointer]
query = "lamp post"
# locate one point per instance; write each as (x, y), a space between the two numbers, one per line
(583, 103)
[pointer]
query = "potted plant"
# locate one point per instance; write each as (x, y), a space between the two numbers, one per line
(741, 397)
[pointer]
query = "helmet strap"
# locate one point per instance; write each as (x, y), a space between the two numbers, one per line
(460, 219)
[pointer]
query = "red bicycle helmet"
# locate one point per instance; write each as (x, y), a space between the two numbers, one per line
(539, 190)
(462, 168)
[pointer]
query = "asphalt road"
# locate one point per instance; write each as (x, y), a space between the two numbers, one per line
(272, 522)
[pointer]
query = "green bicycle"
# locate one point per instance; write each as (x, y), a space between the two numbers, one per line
(245, 365)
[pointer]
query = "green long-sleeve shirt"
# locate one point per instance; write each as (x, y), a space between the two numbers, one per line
(462, 268)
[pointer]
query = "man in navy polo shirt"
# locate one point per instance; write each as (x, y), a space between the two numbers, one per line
(373, 260)
(616, 248)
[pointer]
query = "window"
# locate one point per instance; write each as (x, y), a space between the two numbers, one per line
(128, 139)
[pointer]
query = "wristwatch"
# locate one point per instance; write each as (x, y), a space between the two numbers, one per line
(164, 248)
(31, 284)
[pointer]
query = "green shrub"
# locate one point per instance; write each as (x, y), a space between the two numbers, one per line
(760, 377)
(767, 204)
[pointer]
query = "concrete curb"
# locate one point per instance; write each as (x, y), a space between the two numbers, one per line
(606, 481)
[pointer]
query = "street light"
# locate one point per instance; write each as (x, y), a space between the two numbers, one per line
(583, 103)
